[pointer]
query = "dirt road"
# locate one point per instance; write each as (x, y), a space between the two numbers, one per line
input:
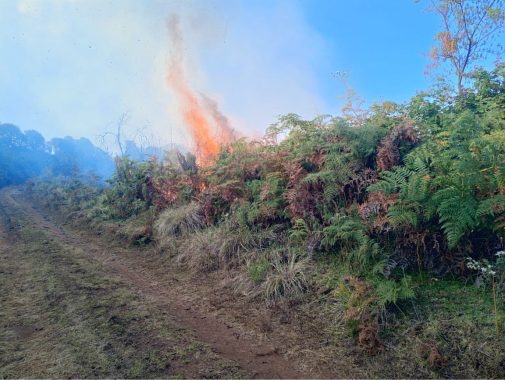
(79, 305)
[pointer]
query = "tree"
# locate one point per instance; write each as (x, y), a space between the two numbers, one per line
(118, 140)
(470, 29)
(35, 141)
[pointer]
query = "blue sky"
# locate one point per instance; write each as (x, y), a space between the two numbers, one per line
(383, 45)
(72, 67)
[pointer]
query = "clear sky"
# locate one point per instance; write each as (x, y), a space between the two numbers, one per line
(72, 67)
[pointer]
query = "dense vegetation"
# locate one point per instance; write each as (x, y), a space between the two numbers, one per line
(406, 209)
(27, 155)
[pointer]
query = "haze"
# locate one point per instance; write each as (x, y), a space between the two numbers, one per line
(73, 67)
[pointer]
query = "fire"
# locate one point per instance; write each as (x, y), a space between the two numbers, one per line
(226, 134)
(201, 115)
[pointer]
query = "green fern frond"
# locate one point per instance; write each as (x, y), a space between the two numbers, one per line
(390, 291)
(417, 188)
(392, 181)
(299, 231)
(495, 208)
(456, 210)
(492, 206)
(404, 215)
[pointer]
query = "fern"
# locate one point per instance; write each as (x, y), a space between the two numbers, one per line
(495, 208)
(456, 210)
(350, 235)
(404, 215)
(392, 181)
(492, 206)
(390, 291)
(299, 231)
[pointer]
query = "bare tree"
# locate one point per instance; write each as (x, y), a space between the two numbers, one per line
(123, 119)
(145, 139)
(470, 29)
(120, 124)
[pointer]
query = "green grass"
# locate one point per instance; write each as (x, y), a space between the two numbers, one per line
(454, 298)
(456, 319)
(453, 316)
(258, 270)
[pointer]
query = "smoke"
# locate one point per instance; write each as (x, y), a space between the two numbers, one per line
(75, 66)
(226, 134)
(206, 124)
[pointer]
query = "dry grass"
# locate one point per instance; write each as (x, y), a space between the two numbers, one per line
(233, 244)
(225, 247)
(288, 277)
(198, 253)
(173, 225)
(178, 221)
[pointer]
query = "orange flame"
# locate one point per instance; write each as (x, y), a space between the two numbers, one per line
(200, 119)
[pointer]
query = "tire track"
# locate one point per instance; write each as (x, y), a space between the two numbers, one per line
(260, 359)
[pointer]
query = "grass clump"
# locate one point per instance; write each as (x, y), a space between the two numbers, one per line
(178, 221)
(287, 277)
(198, 253)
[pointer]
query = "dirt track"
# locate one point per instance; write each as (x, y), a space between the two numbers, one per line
(168, 295)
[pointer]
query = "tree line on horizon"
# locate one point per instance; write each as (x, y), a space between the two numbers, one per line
(25, 155)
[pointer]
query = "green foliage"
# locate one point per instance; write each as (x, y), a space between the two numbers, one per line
(390, 292)
(258, 270)
(404, 214)
(128, 193)
(349, 236)
(414, 188)
(456, 210)
(299, 231)
(456, 178)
